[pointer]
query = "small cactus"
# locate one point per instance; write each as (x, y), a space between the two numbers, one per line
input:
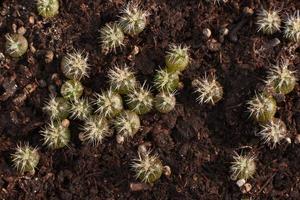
(95, 129)
(81, 109)
(243, 167)
(127, 124)
(122, 80)
(166, 81)
(57, 108)
(273, 132)
(262, 108)
(111, 37)
(109, 103)
(16, 45)
(56, 135)
(165, 102)
(133, 19)
(48, 8)
(177, 58)
(268, 21)
(281, 78)
(26, 158)
(71, 90)
(292, 27)
(74, 65)
(208, 89)
(140, 100)
(148, 168)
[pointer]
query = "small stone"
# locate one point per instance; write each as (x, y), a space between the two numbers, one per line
(120, 139)
(246, 188)
(206, 32)
(139, 186)
(167, 171)
(65, 123)
(241, 182)
(297, 139)
(248, 11)
(224, 31)
(49, 56)
(31, 20)
(22, 30)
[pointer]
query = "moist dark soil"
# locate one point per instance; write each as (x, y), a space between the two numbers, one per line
(196, 141)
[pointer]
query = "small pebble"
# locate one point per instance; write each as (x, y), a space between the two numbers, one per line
(139, 186)
(206, 32)
(22, 30)
(65, 123)
(241, 182)
(297, 139)
(120, 139)
(31, 20)
(246, 188)
(49, 56)
(167, 171)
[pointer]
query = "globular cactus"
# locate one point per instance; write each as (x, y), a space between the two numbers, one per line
(243, 166)
(111, 37)
(25, 158)
(148, 168)
(177, 58)
(292, 27)
(48, 8)
(108, 103)
(166, 81)
(262, 108)
(71, 90)
(57, 108)
(81, 109)
(16, 45)
(165, 102)
(268, 21)
(74, 65)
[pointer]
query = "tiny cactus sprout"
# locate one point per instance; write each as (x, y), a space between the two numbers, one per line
(166, 81)
(292, 27)
(95, 129)
(177, 58)
(243, 167)
(127, 124)
(56, 135)
(48, 8)
(122, 80)
(281, 78)
(81, 109)
(26, 158)
(140, 100)
(273, 132)
(57, 108)
(165, 102)
(111, 37)
(133, 19)
(208, 89)
(268, 21)
(148, 168)
(74, 65)
(262, 108)
(16, 45)
(71, 90)
(109, 103)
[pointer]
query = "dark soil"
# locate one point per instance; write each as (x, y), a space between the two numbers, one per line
(196, 141)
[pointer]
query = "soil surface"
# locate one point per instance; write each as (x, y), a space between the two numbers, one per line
(196, 141)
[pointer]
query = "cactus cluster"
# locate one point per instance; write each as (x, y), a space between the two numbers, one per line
(269, 22)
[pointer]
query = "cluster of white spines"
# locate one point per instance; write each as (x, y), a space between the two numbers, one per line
(127, 124)
(257, 105)
(178, 53)
(268, 21)
(146, 166)
(81, 109)
(243, 166)
(140, 99)
(75, 65)
(273, 132)
(166, 81)
(13, 46)
(111, 37)
(52, 107)
(95, 130)
(121, 77)
(25, 158)
(292, 27)
(56, 135)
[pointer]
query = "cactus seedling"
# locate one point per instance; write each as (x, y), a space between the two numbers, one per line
(165, 102)
(243, 166)
(16, 45)
(71, 90)
(262, 108)
(95, 130)
(48, 8)
(209, 90)
(166, 81)
(80, 109)
(268, 21)
(273, 132)
(140, 100)
(177, 58)
(122, 80)
(26, 158)
(57, 108)
(111, 37)
(74, 65)
(133, 19)
(127, 124)
(56, 135)
(281, 78)
(109, 103)
(148, 168)
(292, 27)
